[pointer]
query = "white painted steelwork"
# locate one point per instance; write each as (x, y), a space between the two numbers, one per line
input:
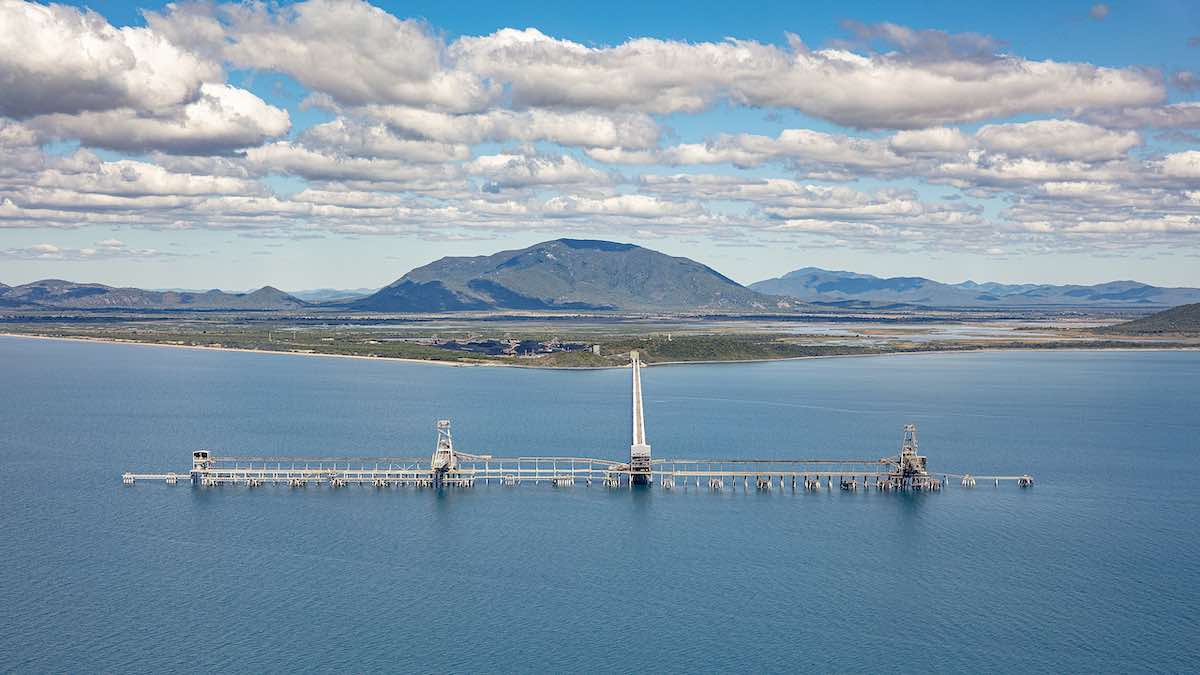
(448, 467)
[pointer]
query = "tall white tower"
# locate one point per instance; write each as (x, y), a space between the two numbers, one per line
(639, 450)
(444, 459)
(910, 470)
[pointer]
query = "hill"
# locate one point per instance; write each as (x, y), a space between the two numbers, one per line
(1182, 320)
(332, 294)
(59, 294)
(566, 274)
(812, 284)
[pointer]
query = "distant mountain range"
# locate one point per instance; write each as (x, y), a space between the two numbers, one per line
(591, 275)
(815, 285)
(59, 294)
(332, 294)
(566, 274)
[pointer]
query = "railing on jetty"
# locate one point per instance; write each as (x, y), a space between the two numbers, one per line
(448, 467)
(561, 471)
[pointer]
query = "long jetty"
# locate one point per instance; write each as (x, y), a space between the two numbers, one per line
(448, 467)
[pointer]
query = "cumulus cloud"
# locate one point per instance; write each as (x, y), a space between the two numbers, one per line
(519, 130)
(1184, 115)
(73, 76)
(16, 135)
(360, 55)
(348, 49)
(922, 83)
(517, 171)
(19, 154)
(132, 178)
(58, 59)
(985, 170)
(1182, 164)
(1058, 139)
(102, 250)
(811, 152)
(294, 159)
(359, 139)
(223, 119)
(795, 205)
(573, 128)
(933, 141)
(632, 206)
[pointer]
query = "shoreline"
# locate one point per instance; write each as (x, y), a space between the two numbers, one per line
(114, 341)
(485, 364)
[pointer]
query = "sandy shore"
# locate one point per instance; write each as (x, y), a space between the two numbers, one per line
(485, 364)
(253, 351)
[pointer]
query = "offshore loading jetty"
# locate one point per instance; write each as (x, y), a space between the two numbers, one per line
(448, 467)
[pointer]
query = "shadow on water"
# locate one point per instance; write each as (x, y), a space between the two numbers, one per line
(911, 508)
(641, 496)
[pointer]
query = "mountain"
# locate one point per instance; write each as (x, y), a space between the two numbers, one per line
(332, 294)
(1184, 319)
(4, 302)
(59, 294)
(995, 288)
(812, 284)
(565, 274)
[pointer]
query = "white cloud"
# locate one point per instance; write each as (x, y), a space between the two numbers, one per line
(357, 139)
(1182, 164)
(16, 135)
(810, 152)
(102, 250)
(292, 159)
(222, 119)
(980, 169)
(358, 55)
(795, 203)
(1183, 115)
(348, 49)
(932, 141)
(1058, 139)
(913, 87)
(131, 178)
(518, 171)
(573, 128)
(58, 59)
(408, 109)
(633, 206)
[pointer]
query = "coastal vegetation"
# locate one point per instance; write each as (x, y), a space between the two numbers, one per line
(548, 346)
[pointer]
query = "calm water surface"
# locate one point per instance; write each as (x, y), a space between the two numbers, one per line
(1095, 569)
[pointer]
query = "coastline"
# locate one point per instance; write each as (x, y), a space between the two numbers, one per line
(467, 364)
(485, 364)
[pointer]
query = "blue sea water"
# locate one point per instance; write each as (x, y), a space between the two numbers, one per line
(1096, 569)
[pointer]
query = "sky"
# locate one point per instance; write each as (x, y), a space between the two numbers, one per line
(340, 143)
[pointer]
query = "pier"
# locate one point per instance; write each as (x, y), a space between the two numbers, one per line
(448, 467)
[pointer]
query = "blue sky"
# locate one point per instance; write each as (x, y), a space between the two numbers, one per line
(340, 143)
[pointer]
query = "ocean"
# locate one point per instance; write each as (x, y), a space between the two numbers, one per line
(1095, 569)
